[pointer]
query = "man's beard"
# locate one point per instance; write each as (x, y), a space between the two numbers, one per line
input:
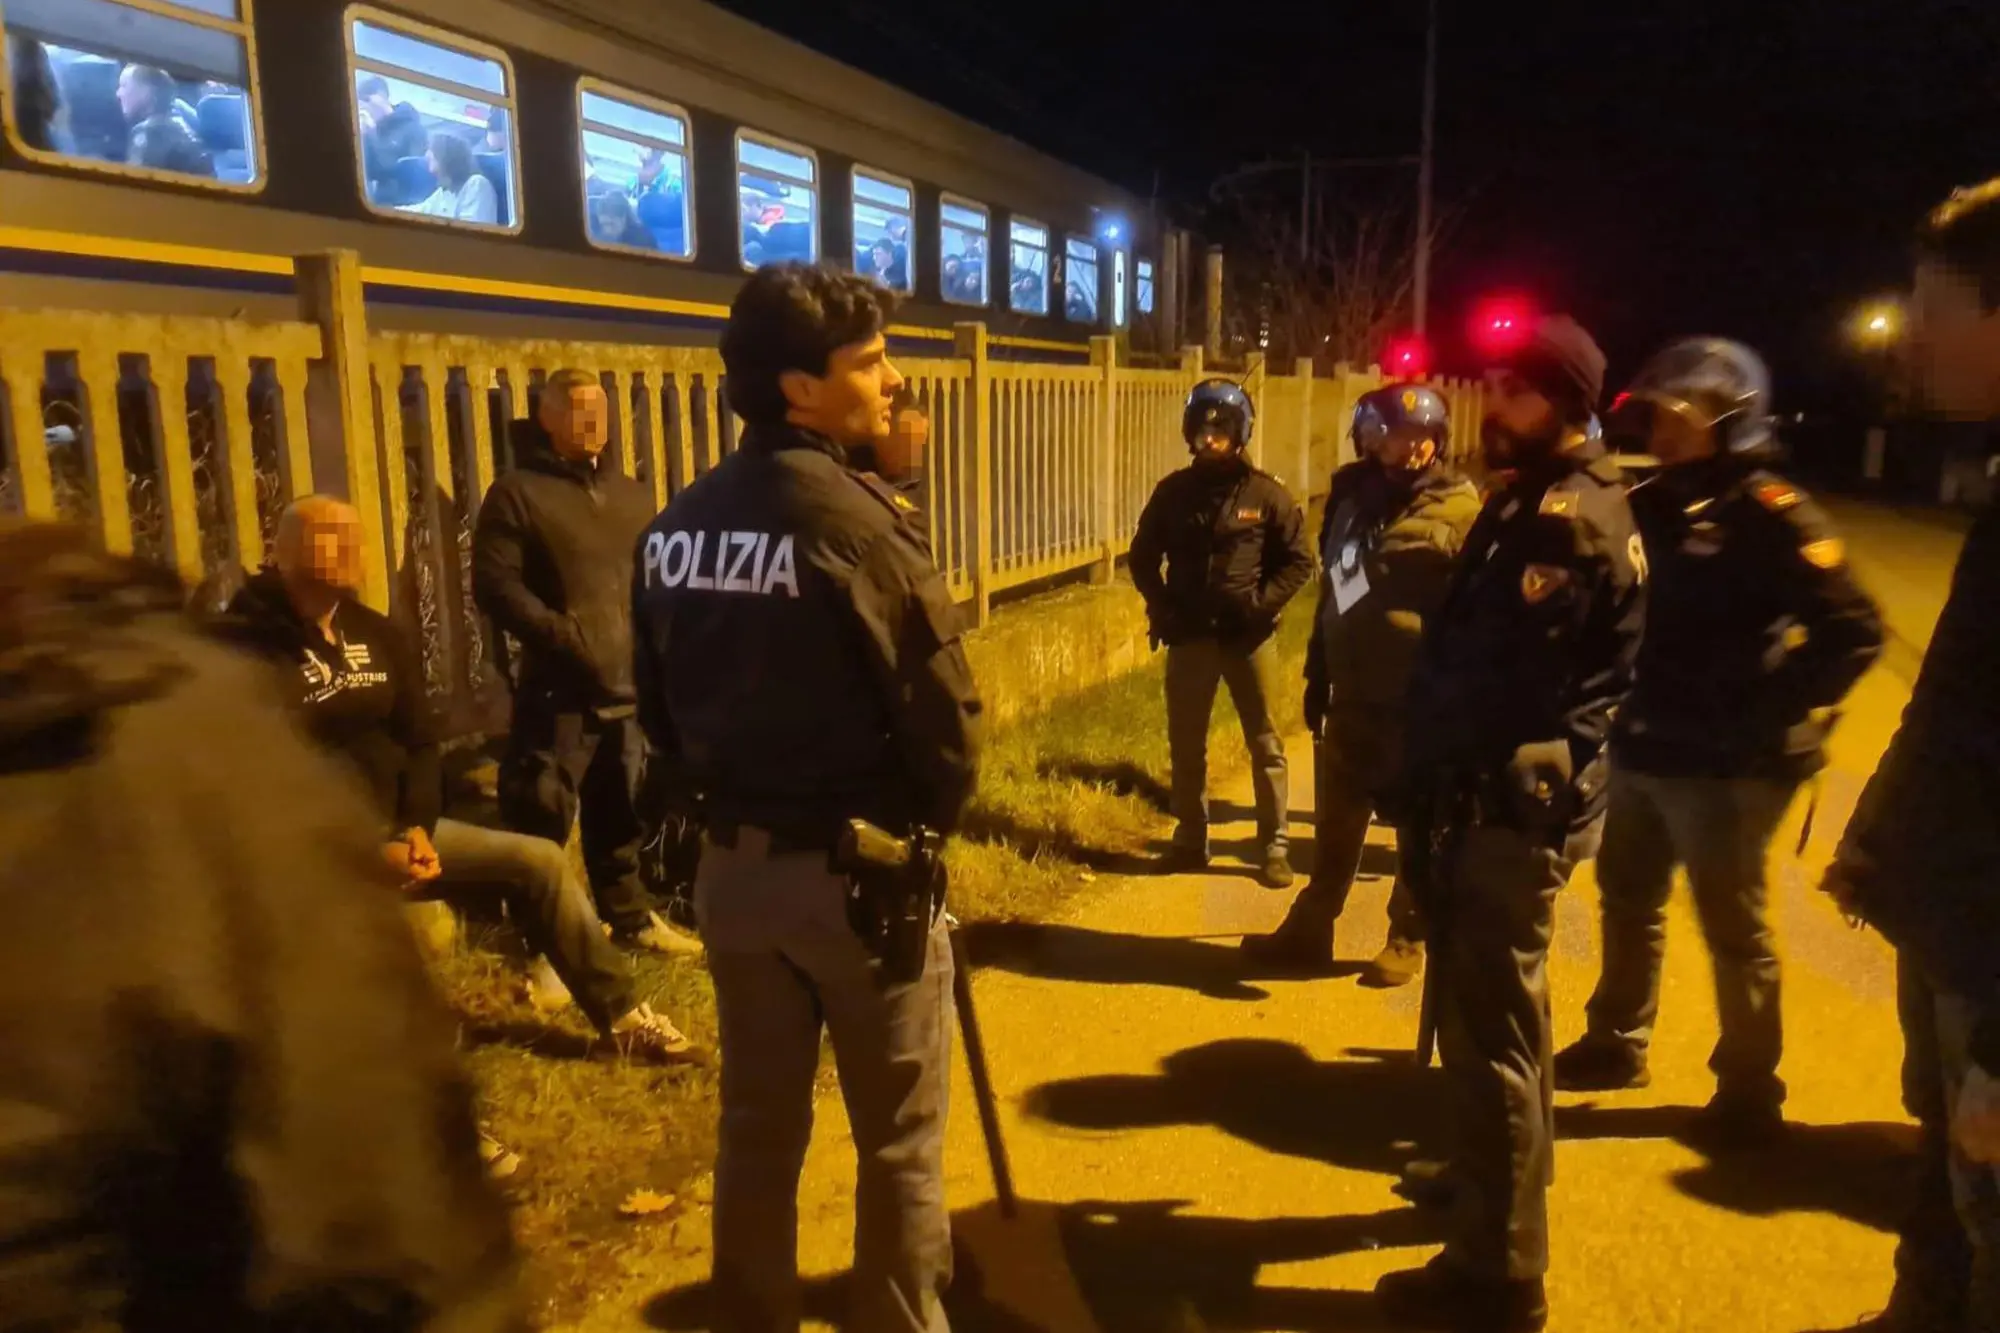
(1504, 450)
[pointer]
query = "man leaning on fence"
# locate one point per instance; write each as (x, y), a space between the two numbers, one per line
(552, 567)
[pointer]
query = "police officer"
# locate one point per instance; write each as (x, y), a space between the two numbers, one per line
(1235, 550)
(1395, 520)
(1754, 627)
(798, 658)
(1519, 674)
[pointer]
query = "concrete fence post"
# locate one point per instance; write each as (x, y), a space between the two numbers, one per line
(1257, 383)
(329, 289)
(971, 346)
(1307, 480)
(1192, 361)
(1104, 359)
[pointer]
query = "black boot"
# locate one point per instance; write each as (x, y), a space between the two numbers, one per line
(1441, 1295)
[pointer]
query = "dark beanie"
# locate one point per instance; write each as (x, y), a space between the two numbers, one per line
(1564, 362)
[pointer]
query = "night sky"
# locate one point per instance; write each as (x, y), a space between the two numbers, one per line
(1658, 167)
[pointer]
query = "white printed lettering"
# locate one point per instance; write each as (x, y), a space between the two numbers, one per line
(672, 571)
(745, 544)
(697, 579)
(655, 543)
(781, 570)
(757, 565)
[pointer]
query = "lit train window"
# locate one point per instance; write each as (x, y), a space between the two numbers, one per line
(161, 89)
(884, 243)
(1080, 280)
(1118, 302)
(434, 123)
(638, 194)
(1145, 292)
(1028, 267)
(777, 190)
(962, 229)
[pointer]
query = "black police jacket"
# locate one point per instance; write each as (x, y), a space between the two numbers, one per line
(361, 694)
(232, 1096)
(1527, 660)
(1235, 549)
(1754, 622)
(552, 566)
(1924, 839)
(1386, 550)
(798, 654)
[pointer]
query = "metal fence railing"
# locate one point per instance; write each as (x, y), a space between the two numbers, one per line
(180, 440)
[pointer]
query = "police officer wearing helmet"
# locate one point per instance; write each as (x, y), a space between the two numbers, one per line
(1520, 672)
(1235, 551)
(1755, 628)
(799, 661)
(1395, 520)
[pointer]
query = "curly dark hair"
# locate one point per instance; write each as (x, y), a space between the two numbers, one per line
(794, 316)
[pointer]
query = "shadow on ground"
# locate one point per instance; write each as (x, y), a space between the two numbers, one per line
(1367, 1113)
(983, 824)
(1057, 952)
(1124, 778)
(1861, 1172)
(1098, 1267)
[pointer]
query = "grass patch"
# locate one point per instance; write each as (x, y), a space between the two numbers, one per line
(1066, 800)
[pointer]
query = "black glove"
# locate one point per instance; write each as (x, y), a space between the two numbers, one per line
(1315, 707)
(1538, 786)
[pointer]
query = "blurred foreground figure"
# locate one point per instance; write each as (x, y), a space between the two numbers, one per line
(228, 1098)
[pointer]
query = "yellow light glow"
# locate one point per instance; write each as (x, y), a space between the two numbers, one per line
(1877, 324)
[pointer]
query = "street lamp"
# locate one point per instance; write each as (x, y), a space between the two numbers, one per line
(1877, 325)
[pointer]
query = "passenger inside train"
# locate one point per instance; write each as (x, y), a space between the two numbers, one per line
(76, 102)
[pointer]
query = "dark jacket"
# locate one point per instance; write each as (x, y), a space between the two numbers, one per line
(1235, 547)
(552, 566)
(1753, 623)
(1527, 660)
(361, 696)
(1924, 841)
(798, 652)
(164, 144)
(1386, 547)
(228, 1097)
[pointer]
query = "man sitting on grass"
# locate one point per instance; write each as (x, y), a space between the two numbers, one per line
(361, 694)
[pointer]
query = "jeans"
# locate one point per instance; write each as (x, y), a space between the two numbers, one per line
(1933, 1255)
(1194, 670)
(1720, 828)
(550, 909)
(566, 767)
(787, 966)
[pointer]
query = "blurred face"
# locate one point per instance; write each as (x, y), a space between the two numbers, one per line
(901, 451)
(134, 98)
(882, 258)
(318, 553)
(1407, 453)
(1213, 443)
(377, 105)
(850, 403)
(611, 221)
(578, 422)
(1671, 432)
(1521, 424)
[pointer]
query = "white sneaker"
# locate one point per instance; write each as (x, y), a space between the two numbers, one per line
(546, 992)
(646, 1035)
(659, 937)
(499, 1160)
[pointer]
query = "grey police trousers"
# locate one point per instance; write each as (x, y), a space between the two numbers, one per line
(787, 966)
(1720, 828)
(1194, 670)
(1360, 759)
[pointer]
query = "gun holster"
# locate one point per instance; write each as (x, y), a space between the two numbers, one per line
(896, 889)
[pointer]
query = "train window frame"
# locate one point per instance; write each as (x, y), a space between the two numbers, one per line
(641, 101)
(243, 27)
(946, 199)
(904, 183)
(1142, 286)
(1096, 261)
(817, 184)
(508, 101)
(1048, 263)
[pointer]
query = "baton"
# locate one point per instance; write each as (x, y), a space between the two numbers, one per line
(982, 1078)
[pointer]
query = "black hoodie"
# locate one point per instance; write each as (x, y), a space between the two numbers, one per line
(361, 694)
(552, 566)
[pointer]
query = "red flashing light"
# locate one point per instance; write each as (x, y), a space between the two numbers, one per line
(1502, 323)
(1408, 358)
